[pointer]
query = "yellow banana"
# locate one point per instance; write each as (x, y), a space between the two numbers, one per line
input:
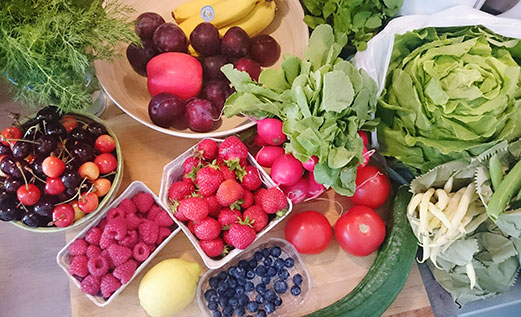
(257, 20)
(191, 8)
(224, 11)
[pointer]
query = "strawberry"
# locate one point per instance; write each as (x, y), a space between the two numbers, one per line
(212, 248)
(207, 229)
(190, 164)
(273, 201)
(233, 148)
(257, 217)
(193, 208)
(179, 190)
(257, 196)
(241, 234)
(229, 192)
(228, 217)
(247, 199)
(251, 180)
(207, 149)
(226, 237)
(191, 226)
(208, 179)
(213, 206)
(177, 213)
(226, 171)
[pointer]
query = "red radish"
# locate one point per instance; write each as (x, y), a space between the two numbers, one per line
(270, 130)
(314, 188)
(309, 165)
(364, 137)
(286, 170)
(259, 141)
(298, 191)
(268, 154)
(367, 155)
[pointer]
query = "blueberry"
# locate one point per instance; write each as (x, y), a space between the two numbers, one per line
(243, 300)
(222, 293)
(239, 272)
(230, 292)
(244, 264)
(259, 299)
(232, 283)
(267, 262)
(280, 286)
(289, 262)
(277, 301)
(283, 274)
(222, 276)
(240, 311)
(257, 256)
(270, 295)
(261, 313)
(265, 252)
(250, 274)
(279, 263)
(241, 281)
(252, 307)
(295, 290)
(224, 300)
(239, 290)
(275, 251)
(266, 279)
(271, 271)
(297, 279)
(234, 301)
(270, 307)
(214, 280)
(213, 306)
(260, 288)
(210, 294)
(216, 313)
(227, 310)
(248, 287)
(222, 286)
(260, 270)
(231, 270)
(252, 263)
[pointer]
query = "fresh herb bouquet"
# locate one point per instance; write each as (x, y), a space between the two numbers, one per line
(47, 46)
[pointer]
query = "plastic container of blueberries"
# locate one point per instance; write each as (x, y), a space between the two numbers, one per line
(63, 256)
(290, 303)
(173, 171)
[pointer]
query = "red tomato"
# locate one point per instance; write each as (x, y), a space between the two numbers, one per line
(309, 231)
(360, 231)
(372, 187)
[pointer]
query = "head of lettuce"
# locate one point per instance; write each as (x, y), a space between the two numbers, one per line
(450, 93)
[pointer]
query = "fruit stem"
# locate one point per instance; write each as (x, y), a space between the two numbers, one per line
(19, 166)
(108, 174)
(75, 195)
(19, 140)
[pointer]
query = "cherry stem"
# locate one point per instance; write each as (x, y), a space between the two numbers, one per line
(34, 175)
(19, 166)
(108, 174)
(75, 195)
(19, 140)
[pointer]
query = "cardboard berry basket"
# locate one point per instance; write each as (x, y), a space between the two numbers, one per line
(63, 256)
(173, 172)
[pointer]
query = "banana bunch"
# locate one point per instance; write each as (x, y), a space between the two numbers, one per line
(252, 16)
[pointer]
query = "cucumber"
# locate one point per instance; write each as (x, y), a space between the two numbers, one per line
(390, 269)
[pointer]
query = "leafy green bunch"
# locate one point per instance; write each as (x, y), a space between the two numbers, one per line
(359, 19)
(47, 46)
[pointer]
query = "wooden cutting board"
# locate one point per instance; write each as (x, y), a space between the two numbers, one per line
(334, 273)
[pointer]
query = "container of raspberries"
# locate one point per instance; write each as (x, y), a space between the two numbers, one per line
(221, 198)
(106, 256)
(269, 278)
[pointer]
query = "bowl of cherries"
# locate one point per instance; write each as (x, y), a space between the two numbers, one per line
(57, 170)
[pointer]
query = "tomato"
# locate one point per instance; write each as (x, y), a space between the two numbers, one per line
(372, 187)
(309, 231)
(360, 231)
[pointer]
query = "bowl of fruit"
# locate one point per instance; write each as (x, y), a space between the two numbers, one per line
(172, 82)
(57, 171)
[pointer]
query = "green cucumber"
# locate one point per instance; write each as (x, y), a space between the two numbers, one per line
(391, 267)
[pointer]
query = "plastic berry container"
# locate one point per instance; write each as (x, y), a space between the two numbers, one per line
(290, 303)
(63, 256)
(173, 171)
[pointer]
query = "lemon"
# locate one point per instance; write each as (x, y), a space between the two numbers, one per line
(168, 287)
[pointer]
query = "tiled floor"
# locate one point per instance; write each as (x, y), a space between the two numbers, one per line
(31, 283)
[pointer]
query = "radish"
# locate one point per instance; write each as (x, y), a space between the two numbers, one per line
(364, 136)
(296, 192)
(314, 188)
(309, 165)
(259, 141)
(286, 170)
(268, 154)
(270, 130)
(367, 155)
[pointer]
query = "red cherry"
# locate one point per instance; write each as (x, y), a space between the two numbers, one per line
(102, 186)
(63, 215)
(28, 194)
(10, 133)
(89, 170)
(54, 186)
(105, 143)
(53, 166)
(106, 163)
(88, 202)
(69, 123)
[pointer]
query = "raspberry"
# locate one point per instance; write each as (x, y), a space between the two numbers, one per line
(90, 285)
(93, 251)
(115, 213)
(98, 266)
(153, 212)
(125, 271)
(105, 254)
(130, 240)
(128, 205)
(163, 219)
(109, 284)
(143, 201)
(140, 251)
(106, 241)
(79, 266)
(151, 247)
(78, 247)
(93, 235)
(133, 221)
(116, 228)
(148, 231)
(102, 224)
(119, 254)
(163, 234)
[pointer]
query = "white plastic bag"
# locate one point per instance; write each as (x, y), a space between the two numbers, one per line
(375, 59)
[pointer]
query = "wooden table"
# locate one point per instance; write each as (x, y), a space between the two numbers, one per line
(334, 273)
